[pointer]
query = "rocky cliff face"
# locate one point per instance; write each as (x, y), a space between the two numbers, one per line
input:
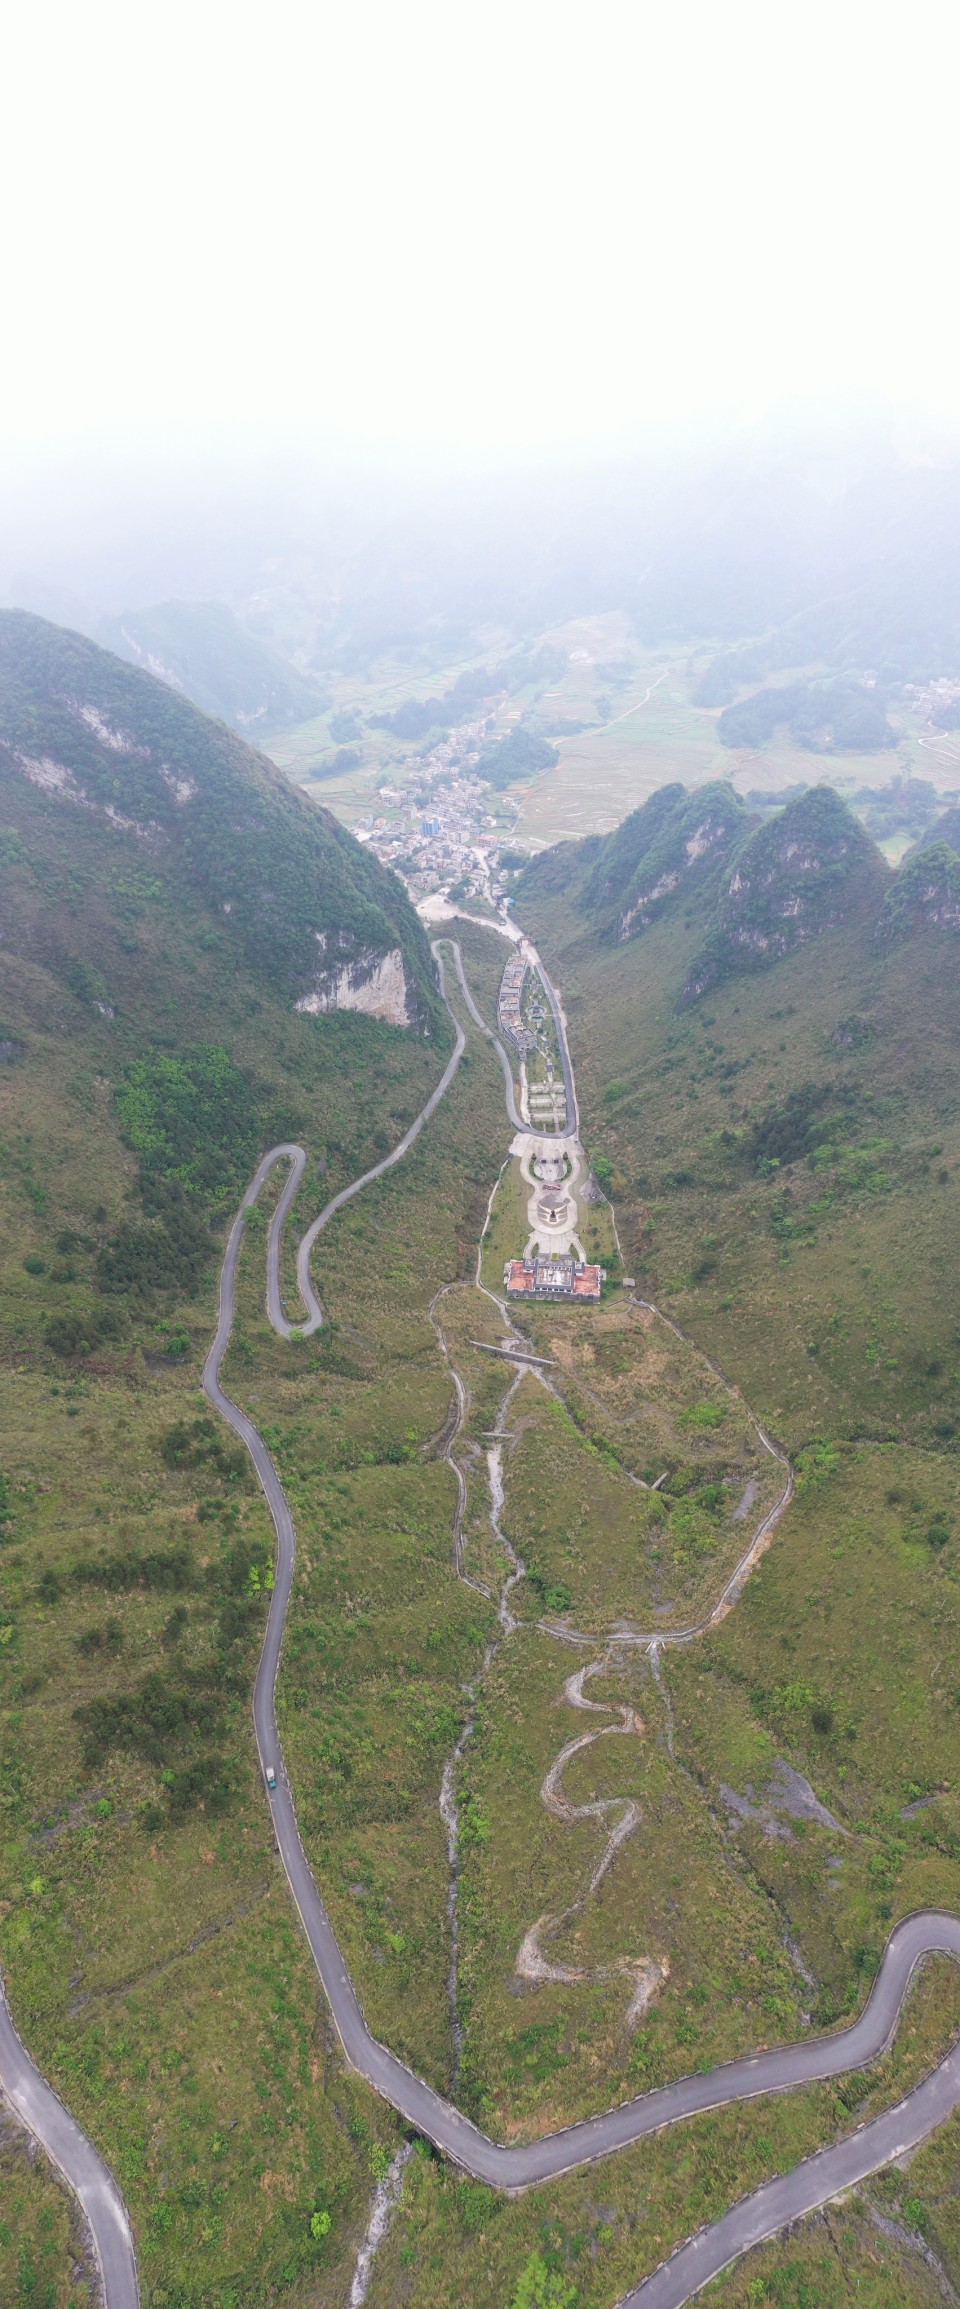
(698, 835)
(670, 845)
(795, 877)
(373, 983)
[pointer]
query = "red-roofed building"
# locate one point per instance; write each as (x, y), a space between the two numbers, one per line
(556, 1278)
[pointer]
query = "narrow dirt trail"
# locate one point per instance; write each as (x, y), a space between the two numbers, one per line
(647, 1973)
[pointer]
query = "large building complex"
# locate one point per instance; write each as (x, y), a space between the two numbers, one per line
(552, 1278)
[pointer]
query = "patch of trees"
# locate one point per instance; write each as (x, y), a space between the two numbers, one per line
(154, 1717)
(826, 717)
(199, 1443)
(195, 1120)
(172, 1714)
(520, 755)
(788, 1131)
(197, 1123)
(416, 717)
(85, 983)
(105, 1636)
(157, 1569)
(166, 1252)
(81, 1334)
(345, 725)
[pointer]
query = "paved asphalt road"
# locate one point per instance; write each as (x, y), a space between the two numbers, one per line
(92, 2183)
(760, 2215)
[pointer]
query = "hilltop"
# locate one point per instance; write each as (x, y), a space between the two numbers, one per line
(760, 889)
(810, 866)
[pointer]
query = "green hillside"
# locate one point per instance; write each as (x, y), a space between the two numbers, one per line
(809, 867)
(150, 1049)
(770, 1074)
(783, 1150)
(782, 1146)
(90, 743)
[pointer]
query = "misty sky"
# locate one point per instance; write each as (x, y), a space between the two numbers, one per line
(481, 226)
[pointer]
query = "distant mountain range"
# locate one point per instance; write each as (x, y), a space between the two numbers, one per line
(833, 543)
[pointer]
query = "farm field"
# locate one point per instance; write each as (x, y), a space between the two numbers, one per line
(640, 731)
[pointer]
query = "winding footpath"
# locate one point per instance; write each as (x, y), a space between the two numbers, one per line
(516, 2167)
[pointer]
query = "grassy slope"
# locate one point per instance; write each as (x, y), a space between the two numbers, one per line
(202, 2060)
(598, 2230)
(42, 2253)
(151, 1957)
(524, 2066)
(848, 1258)
(382, 1636)
(822, 1293)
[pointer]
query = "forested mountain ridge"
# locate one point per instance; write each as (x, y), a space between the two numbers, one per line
(763, 889)
(670, 845)
(310, 913)
(201, 648)
(803, 871)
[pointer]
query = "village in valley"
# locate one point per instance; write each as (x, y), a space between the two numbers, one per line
(438, 829)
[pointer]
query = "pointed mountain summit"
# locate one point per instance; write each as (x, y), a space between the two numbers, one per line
(668, 847)
(801, 873)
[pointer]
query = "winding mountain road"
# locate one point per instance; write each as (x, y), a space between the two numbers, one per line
(80, 2165)
(519, 2166)
(781, 2070)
